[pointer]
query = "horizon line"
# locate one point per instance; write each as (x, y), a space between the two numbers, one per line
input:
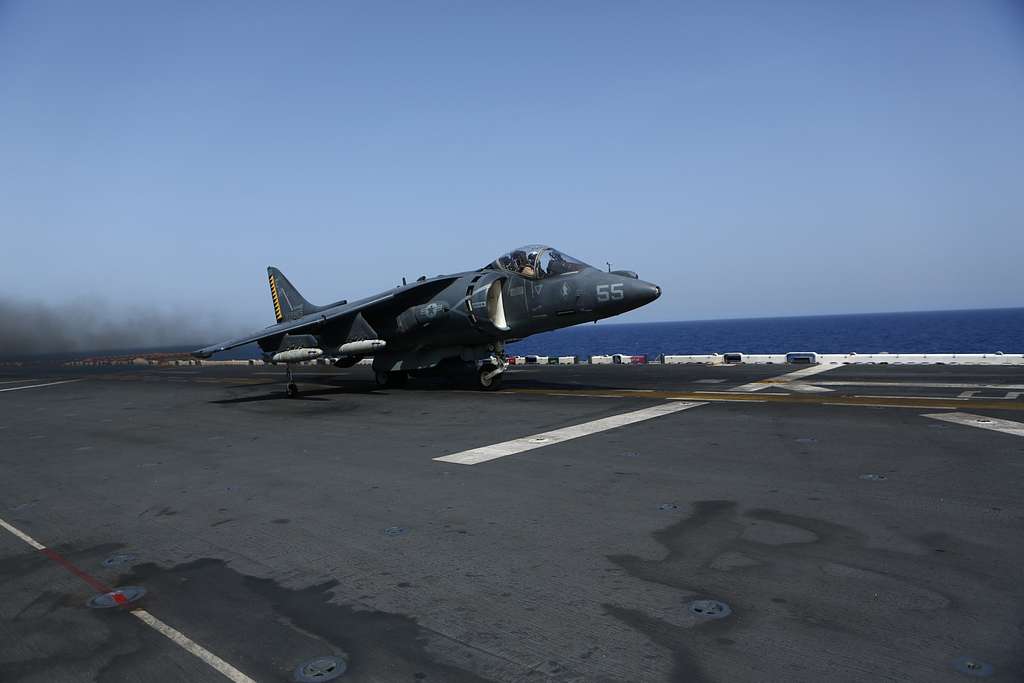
(820, 315)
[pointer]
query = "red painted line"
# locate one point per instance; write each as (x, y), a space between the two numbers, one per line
(92, 581)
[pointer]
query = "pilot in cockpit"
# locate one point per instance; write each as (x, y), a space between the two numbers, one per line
(522, 264)
(537, 262)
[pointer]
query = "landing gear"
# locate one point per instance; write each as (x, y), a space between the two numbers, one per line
(479, 366)
(488, 377)
(390, 378)
(293, 388)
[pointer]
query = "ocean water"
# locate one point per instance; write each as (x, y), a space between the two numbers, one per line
(975, 331)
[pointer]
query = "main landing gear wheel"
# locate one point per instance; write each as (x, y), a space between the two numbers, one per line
(390, 378)
(487, 381)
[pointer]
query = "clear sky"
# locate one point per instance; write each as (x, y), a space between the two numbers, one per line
(752, 158)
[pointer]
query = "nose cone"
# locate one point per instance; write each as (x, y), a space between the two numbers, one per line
(649, 291)
(640, 293)
(614, 293)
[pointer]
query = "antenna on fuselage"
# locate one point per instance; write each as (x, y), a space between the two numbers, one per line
(609, 266)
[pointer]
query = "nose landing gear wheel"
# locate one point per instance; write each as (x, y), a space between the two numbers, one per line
(487, 381)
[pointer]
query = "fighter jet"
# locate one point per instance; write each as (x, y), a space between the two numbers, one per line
(449, 324)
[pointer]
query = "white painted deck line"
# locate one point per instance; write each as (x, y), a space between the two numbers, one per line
(176, 636)
(22, 535)
(788, 377)
(35, 386)
(981, 422)
(527, 443)
(190, 646)
(921, 385)
(1010, 395)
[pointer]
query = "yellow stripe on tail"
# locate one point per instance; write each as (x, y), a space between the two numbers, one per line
(277, 302)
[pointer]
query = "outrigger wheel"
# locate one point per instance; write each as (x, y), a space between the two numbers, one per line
(293, 388)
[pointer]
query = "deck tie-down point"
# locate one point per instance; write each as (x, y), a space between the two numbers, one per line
(116, 598)
(320, 669)
(710, 609)
(973, 667)
(117, 559)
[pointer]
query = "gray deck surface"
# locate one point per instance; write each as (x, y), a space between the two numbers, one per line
(258, 525)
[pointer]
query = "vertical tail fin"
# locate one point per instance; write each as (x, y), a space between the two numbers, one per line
(288, 303)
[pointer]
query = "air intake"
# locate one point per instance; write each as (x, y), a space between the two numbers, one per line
(496, 305)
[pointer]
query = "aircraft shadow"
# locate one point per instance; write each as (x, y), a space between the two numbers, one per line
(323, 393)
(279, 396)
(331, 387)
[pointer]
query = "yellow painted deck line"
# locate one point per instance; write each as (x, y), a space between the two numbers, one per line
(922, 385)
(806, 399)
(938, 402)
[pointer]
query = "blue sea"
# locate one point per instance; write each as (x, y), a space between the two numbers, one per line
(974, 331)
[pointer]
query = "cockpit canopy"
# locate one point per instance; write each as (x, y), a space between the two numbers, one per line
(537, 261)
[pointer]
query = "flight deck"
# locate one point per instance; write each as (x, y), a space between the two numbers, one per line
(585, 523)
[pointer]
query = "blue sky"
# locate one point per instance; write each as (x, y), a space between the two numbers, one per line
(752, 158)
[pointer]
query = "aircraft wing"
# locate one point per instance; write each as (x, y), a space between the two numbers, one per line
(406, 295)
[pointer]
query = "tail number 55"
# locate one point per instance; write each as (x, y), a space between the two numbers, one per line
(609, 292)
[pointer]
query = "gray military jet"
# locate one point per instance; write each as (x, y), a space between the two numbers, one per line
(448, 324)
